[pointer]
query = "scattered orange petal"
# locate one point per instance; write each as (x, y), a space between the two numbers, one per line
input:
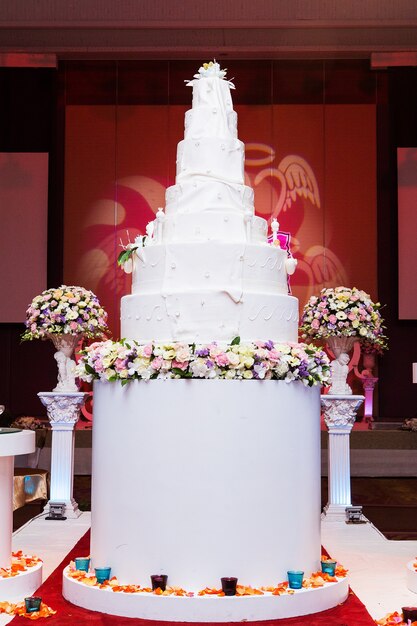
(20, 609)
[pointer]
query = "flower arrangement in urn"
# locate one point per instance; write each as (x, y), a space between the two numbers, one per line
(65, 314)
(340, 316)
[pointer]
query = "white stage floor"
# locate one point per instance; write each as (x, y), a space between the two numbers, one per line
(377, 566)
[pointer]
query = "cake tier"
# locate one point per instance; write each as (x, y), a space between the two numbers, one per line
(208, 122)
(226, 479)
(212, 92)
(233, 268)
(214, 226)
(207, 315)
(218, 158)
(202, 193)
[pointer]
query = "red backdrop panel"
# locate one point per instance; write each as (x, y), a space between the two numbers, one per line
(119, 161)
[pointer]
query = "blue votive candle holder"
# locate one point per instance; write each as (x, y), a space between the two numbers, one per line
(82, 563)
(229, 584)
(32, 604)
(295, 579)
(102, 574)
(159, 581)
(328, 567)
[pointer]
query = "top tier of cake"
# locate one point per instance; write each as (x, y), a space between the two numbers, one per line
(207, 272)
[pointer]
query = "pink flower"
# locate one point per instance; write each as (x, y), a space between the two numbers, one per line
(147, 350)
(157, 363)
(221, 359)
(119, 364)
(98, 366)
(315, 324)
(274, 355)
(332, 319)
(182, 365)
(73, 325)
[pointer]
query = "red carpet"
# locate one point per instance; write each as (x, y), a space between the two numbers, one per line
(350, 613)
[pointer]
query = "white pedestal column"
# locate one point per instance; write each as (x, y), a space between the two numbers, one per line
(63, 412)
(339, 415)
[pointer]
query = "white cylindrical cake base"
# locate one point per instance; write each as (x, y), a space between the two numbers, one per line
(200, 479)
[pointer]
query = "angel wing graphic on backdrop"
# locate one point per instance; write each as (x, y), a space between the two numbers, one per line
(318, 266)
(294, 174)
(322, 268)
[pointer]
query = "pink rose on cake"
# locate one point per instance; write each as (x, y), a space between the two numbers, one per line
(221, 359)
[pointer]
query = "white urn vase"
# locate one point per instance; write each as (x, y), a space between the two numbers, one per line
(340, 346)
(65, 344)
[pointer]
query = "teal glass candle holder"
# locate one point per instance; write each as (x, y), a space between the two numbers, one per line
(82, 563)
(328, 567)
(229, 584)
(32, 604)
(102, 574)
(295, 579)
(159, 581)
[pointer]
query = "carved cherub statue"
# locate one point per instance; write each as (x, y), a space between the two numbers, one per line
(340, 370)
(66, 369)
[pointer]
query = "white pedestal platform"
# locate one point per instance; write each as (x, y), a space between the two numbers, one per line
(205, 608)
(17, 587)
(200, 479)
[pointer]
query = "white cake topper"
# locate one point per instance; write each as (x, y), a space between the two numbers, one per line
(160, 219)
(207, 70)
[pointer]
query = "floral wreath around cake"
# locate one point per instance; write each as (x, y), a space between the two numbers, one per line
(344, 312)
(127, 360)
(65, 310)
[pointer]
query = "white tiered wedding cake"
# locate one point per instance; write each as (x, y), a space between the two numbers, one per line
(204, 478)
(207, 272)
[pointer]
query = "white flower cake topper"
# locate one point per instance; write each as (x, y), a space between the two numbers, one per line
(208, 70)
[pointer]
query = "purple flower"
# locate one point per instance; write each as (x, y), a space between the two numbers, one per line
(202, 352)
(269, 344)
